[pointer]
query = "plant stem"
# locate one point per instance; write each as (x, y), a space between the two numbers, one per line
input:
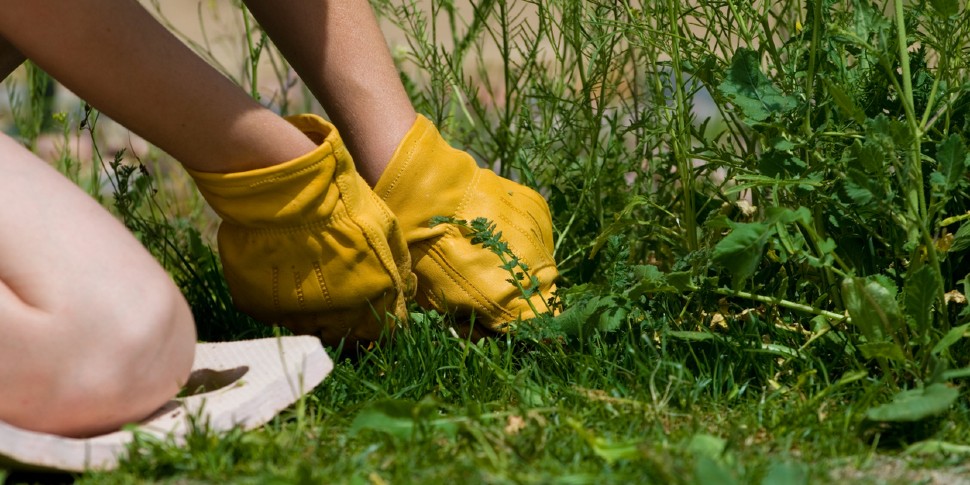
(680, 140)
(801, 307)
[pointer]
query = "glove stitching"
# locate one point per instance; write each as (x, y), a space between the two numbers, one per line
(366, 229)
(539, 248)
(457, 278)
(405, 163)
(298, 288)
(476, 177)
(312, 226)
(276, 289)
(318, 271)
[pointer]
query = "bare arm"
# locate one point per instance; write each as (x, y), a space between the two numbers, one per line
(139, 74)
(339, 51)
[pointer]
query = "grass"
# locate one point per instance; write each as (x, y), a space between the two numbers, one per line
(753, 297)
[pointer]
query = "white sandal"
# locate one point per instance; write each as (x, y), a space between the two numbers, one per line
(243, 384)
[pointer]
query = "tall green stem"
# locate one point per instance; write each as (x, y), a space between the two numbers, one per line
(680, 140)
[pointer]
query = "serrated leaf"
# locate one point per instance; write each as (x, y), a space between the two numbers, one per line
(605, 313)
(679, 280)
(751, 91)
(946, 8)
(919, 294)
(649, 280)
(873, 308)
(915, 404)
(846, 104)
(951, 157)
(741, 250)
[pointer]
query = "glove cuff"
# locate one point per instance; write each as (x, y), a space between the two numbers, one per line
(427, 176)
(297, 192)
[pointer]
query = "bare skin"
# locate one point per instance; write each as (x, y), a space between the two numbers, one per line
(95, 334)
(140, 75)
(85, 304)
(81, 293)
(339, 51)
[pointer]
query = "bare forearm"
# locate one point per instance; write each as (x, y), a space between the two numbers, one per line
(142, 76)
(339, 51)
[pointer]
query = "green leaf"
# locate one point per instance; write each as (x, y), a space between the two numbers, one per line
(961, 240)
(785, 473)
(751, 91)
(846, 104)
(951, 337)
(952, 374)
(610, 451)
(951, 157)
(707, 470)
(740, 251)
(400, 418)
(915, 404)
(946, 8)
(690, 335)
(873, 308)
(649, 280)
(393, 417)
(703, 444)
(919, 294)
(937, 447)
(598, 313)
(679, 280)
(886, 350)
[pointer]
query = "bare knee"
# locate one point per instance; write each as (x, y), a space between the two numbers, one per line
(88, 371)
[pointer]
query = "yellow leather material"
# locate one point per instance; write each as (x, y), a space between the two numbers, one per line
(427, 177)
(307, 245)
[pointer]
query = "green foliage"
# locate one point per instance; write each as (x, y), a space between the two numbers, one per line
(762, 220)
(825, 185)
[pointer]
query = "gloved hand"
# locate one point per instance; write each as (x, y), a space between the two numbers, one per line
(426, 177)
(307, 245)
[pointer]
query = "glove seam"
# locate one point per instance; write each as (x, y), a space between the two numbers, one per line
(318, 272)
(406, 162)
(367, 230)
(456, 277)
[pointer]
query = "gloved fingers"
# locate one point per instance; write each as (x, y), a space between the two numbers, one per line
(521, 215)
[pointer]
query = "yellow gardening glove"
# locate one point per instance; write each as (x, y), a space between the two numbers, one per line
(426, 178)
(307, 245)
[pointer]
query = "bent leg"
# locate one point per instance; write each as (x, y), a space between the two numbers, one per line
(93, 333)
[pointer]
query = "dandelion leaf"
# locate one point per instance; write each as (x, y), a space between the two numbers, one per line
(919, 293)
(872, 306)
(741, 250)
(915, 404)
(946, 7)
(751, 91)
